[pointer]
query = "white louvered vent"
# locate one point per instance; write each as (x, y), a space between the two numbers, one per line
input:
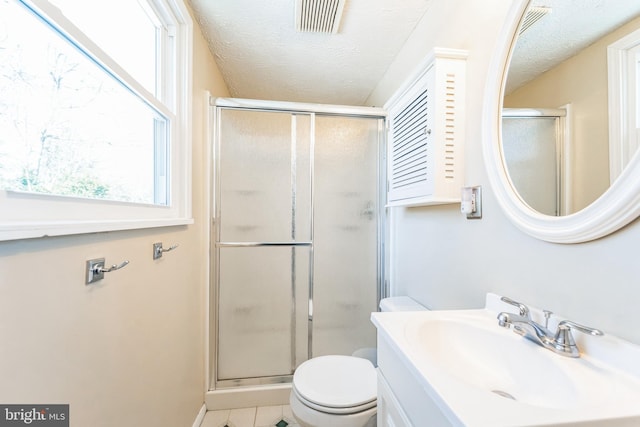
(426, 133)
(450, 132)
(534, 14)
(319, 16)
(410, 134)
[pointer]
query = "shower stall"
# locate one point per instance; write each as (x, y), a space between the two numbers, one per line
(536, 151)
(297, 240)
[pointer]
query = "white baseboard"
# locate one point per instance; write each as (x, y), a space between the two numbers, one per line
(243, 397)
(200, 416)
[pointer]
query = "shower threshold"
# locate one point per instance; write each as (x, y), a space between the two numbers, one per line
(248, 396)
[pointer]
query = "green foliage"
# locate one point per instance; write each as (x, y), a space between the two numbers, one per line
(78, 185)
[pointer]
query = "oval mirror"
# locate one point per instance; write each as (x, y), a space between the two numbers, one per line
(557, 129)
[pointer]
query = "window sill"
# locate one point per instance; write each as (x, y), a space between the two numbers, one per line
(31, 230)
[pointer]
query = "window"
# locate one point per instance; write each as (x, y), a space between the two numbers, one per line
(94, 114)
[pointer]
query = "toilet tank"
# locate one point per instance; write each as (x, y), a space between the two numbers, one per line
(390, 304)
(402, 303)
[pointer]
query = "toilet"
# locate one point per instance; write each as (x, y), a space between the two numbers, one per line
(341, 391)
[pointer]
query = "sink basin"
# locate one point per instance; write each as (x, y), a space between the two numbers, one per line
(478, 353)
(479, 374)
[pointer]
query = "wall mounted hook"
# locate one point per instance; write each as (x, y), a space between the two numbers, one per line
(158, 250)
(96, 268)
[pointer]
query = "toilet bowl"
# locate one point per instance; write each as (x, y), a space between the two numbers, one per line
(340, 391)
(335, 391)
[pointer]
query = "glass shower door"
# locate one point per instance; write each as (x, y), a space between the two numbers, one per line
(297, 253)
(345, 237)
(263, 242)
(531, 152)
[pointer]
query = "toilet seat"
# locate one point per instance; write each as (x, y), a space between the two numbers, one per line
(336, 384)
(333, 410)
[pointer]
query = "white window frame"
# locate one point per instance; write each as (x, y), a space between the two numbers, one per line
(622, 78)
(27, 215)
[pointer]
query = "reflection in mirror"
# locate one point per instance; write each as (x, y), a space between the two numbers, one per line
(560, 63)
(533, 149)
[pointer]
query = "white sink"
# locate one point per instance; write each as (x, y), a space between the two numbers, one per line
(480, 374)
(476, 351)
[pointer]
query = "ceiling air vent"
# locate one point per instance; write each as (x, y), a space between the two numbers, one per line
(319, 16)
(534, 14)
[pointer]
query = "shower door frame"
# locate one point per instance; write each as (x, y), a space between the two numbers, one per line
(216, 105)
(563, 148)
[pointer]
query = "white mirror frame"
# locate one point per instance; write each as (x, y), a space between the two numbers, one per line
(617, 207)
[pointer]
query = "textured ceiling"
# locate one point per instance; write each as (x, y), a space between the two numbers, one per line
(262, 56)
(570, 27)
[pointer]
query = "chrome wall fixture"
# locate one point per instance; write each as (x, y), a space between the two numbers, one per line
(95, 269)
(158, 250)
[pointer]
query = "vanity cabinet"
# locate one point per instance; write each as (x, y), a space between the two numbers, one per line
(402, 400)
(390, 412)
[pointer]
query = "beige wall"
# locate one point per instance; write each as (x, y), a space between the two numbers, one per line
(130, 350)
(582, 82)
(448, 262)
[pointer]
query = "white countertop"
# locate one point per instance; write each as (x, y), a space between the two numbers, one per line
(606, 390)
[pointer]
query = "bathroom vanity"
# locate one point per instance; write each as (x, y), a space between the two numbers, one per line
(460, 368)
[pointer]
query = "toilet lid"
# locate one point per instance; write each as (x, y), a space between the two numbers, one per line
(336, 381)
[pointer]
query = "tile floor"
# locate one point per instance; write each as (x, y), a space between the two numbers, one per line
(262, 416)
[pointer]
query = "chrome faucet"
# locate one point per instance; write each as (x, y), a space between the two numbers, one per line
(562, 342)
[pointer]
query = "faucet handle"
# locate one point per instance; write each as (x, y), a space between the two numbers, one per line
(564, 339)
(524, 310)
(566, 325)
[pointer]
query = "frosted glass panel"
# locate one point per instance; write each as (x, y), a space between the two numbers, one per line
(269, 260)
(345, 234)
(262, 161)
(530, 147)
(256, 310)
(301, 167)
